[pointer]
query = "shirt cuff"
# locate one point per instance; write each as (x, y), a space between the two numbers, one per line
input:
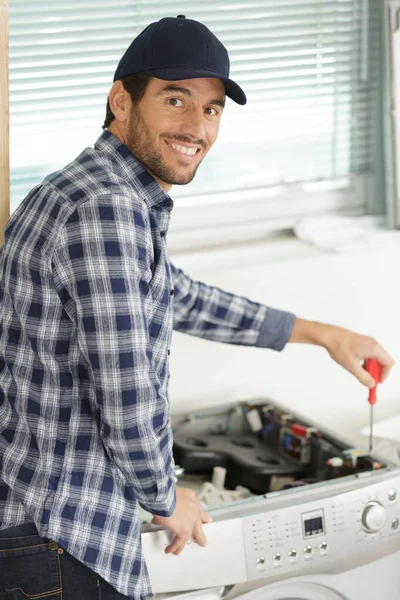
(276, 329)
(164, 508)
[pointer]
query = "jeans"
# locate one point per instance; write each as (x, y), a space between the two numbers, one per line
(33, 568)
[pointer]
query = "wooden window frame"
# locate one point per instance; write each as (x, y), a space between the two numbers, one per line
(4, 121)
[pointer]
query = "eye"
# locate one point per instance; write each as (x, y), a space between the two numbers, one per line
(175, 102)
(213, 112)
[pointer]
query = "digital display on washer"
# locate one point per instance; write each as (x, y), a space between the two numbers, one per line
(313, 523)
(313, 526)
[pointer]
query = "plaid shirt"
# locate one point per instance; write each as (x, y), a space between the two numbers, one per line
(88, 302)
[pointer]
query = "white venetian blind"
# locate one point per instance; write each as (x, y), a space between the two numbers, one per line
(309, 68)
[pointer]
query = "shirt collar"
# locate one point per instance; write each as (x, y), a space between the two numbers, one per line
(133, 170)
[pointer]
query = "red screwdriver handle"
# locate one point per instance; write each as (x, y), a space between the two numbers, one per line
(374, 368)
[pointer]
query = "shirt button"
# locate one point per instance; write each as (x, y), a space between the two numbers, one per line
(162, 233)
(171, 292)
(169, 351)
(168, 204)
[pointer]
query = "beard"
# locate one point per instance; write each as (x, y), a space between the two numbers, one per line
(140, 143)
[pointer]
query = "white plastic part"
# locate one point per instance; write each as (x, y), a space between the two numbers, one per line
(254, 420)
(335, 461)
(218, 477)
(211, 496)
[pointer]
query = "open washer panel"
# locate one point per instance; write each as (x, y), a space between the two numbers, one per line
(263, 448)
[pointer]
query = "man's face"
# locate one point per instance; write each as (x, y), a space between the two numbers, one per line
(174, 126)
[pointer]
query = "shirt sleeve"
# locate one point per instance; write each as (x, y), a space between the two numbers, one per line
(211, 313)
(102, 273)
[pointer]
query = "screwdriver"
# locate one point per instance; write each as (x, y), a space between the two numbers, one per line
(374, 368)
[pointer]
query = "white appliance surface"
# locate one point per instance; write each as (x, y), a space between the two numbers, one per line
(333, 540)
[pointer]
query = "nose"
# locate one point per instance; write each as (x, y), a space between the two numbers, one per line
(194, 125)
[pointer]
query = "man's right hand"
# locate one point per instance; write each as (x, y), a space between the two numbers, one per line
(186, 521)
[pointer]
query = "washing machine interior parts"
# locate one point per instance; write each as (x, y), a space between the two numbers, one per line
(291, 504)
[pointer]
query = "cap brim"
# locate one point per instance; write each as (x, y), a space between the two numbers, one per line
(233, 90)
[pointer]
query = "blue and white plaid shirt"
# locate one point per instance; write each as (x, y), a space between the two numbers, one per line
(88, 302)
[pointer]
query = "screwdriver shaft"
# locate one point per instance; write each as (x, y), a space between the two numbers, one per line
(374, 368)
(371, 423)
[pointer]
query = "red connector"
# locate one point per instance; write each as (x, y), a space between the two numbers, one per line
(299, 430)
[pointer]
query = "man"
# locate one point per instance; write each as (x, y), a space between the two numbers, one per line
(88, 303)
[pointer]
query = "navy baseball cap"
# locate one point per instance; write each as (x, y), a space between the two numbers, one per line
(179, 48)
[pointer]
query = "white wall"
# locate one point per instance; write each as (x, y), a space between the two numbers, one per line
(358, 290)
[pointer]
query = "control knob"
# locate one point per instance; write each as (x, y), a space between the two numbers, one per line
(373, 517)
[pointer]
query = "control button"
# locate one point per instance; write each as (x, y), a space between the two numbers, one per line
(292, 553)
(308, 552)
(276, 558)
(373, 517)
(260, 562)
(323, 548)
(395, 523)
(392, 494)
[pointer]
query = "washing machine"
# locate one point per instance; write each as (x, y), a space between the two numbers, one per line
(300, 514)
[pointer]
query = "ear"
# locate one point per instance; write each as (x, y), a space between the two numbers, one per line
(119, 101)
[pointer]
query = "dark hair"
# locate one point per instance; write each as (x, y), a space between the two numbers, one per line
(135, 85)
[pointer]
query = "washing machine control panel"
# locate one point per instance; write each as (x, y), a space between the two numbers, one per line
(305, 536)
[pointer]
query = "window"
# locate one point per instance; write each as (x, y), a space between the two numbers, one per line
(306, 142)
(392, 122)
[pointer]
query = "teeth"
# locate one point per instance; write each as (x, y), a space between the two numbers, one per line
(184, 149)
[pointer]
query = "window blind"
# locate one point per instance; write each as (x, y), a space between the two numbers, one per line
(310, 69)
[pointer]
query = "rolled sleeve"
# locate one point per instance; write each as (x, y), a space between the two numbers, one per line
(276, 329)
(208, 312)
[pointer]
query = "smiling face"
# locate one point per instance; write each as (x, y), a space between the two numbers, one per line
(173, 127)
